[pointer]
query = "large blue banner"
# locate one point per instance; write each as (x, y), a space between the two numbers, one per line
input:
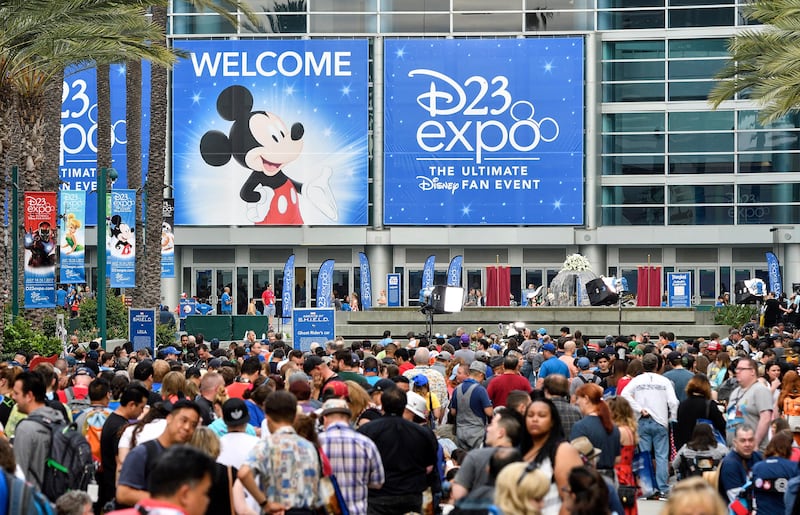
(775, 281)
(679, 289)
(483, 131)
(77, 165)
(287, 293)
(72, 210)
(366, 281)
(325, 284)
(121, 241)
(454, 271)
(312, 325)
(393, 296)
(271, 132)
(142, 329)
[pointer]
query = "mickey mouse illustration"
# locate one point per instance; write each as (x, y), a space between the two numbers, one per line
(261, 142)
(124, 235)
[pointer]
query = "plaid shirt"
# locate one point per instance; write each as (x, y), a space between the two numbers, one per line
(355, 461)
(569, 413)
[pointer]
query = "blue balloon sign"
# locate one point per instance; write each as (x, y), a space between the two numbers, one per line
(483, 131)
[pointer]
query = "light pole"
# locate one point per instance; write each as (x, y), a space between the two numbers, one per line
(102, 190)
(15, 241)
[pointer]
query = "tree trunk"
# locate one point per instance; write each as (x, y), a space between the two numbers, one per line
(133, 124)
(9, 134)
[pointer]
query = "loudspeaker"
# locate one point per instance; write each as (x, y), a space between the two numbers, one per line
(447, 299)
(600, 294)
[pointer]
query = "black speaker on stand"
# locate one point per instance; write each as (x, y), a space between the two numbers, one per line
(443, 299)
(600, 294)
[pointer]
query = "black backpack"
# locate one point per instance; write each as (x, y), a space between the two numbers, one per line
(69, 463)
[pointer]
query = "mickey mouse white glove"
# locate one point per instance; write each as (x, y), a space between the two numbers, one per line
(318, 191)
(256, 211)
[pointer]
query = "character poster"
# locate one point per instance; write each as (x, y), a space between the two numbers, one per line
(271, 132)
(72, 236)
(168, 240)
(483, 131)
(121, 239)
(40, 244)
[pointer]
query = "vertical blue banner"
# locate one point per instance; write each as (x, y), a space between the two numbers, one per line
(427, 272)
(366, 281)
(142, 329)
(483, 131)
(774, 267)
(121, 238)
(287, 292)
(168, 239)
(40, 244)
(393, 290)
(312, 325)
(325, 284)
(77, 165)
(454, 271)
(72, 209)
(679, 289)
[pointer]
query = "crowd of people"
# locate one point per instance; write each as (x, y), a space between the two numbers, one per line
(529, 423)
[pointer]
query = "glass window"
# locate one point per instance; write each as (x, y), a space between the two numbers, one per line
(633, 50)
(533, 277)
(633, 165)
(768, 140)
(701, 121)
(644, 92)
(633, 122)
(699, 69)
(243, 294)
(701, 215)
(516, 284)
(553, 18)
(753, 214)
(201, 24)
(710, 17)
(708, 194)
(474, 279)
(415, 5)
(424, 22)
(768, 162)
(741, 274)
(749, 120)
(551, 274)
(338, 23)
(701, 164)
(701, 142)
(633, 70)
(486, 22)
(343, 5)
(763, 274)
(767, 193)
(633, 195)
(635, 143)
(616, 20)
(633, 216)
(277, 23)
(632, 276)
(698, 48)
(616, 4)
(480, 5)
(724, 279)
(689, 90)
(708, 284)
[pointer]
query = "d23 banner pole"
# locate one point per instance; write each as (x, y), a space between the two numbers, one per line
(287, 294)
(39, 241)
(775, 281)
(454, 271)
(122, 240)
(72, 209)
(325, 284)
(366, 281)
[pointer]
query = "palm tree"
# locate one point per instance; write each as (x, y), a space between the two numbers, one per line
(764, 63)
(148, 266)
(38, 40)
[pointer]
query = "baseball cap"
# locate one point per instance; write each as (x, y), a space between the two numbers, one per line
(650, 360)
(478, 366)
(310, 363)
(234, 412)
(632, 344)
(332, 406)
(674, 356)
(84, 371)
(169, 350)
(382, 385)
(496, 361)
(713, 346)
(444, 356)
(542, 331)
(215, 363)
(584, 363)
(420, 380)
(549, 347)
(335, 389)
(415, 403)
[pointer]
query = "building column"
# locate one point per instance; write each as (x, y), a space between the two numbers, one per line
(380, 264)
(596, 254)
(171, 288)
(791, 266)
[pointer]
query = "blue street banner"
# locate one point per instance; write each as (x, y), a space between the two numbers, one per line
(366, 281)
(679, 289)
(427, 272)
(188, 306)
(77, 165)
(287, 293)
(393, 295)
(483, 131)
(775, 281)
(325, 284)
(72, 210)
(40, 244)
(272, 132)
(311, 325)
(142, 329)
(454, 271)
(168, 239)
(121, 240)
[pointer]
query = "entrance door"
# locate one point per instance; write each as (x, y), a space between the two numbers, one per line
(223, 277)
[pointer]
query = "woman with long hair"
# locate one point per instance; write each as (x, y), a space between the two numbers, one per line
(544, 446)
(597, 426)
(697, 405)
(7, 376)
(519, 490)
(719, 372)
(635, 368)
(623, 417)
(700, 454)
(588, 493)
(619, 367)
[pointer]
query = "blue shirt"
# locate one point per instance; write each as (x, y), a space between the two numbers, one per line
(734, 473)
(61, 297)
(477, 401)
(769, 498)
(224, 306)
(553, 366)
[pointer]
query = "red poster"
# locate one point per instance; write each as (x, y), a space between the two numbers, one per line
(40, 243)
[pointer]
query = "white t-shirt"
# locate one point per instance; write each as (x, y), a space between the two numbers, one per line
(150, 431)
(235, 447)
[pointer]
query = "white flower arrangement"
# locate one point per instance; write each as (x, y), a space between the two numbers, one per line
(577, 263)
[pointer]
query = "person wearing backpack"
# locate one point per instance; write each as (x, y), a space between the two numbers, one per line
(31, 439)
(90, 421)
(585, 376)
(76, 397)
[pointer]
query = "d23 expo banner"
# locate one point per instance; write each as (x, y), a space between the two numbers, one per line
(72, 236)
(271, 132)
(40, 243)
(483, 131)
(168, 239)
(121, 241)
(77, 165)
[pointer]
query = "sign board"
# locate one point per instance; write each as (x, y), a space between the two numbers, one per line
(142, 329)
(679, 289)
(188, 307)
(312, 325)
(393, 293)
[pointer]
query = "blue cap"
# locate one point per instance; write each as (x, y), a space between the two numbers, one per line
(170, 350)
(549, 347)
(542, 331)
(584, 363)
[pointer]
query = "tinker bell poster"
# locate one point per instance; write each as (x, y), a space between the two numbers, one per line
(72, 241)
